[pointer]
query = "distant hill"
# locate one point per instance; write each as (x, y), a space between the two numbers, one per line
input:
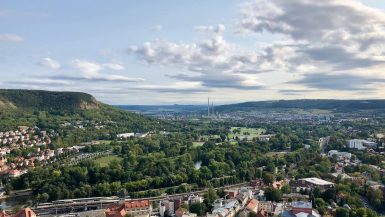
(325, 104)
(51, 108)
(155, 109)
(46, 100)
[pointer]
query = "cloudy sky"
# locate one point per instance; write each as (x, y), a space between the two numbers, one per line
(172, 51)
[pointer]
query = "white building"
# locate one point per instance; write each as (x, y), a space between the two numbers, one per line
(356, 144)
(125, 135)
(339, 155)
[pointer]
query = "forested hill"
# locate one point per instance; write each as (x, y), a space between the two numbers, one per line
(325, 104)
(50, 109)
(46, 100)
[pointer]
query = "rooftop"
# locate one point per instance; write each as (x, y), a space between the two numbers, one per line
(302, 204)
(318, 181)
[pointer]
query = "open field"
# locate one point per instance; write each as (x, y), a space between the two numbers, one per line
(197, 144)
(244, 132)
(104, 161)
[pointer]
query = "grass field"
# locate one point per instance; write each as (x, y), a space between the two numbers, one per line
(197, 144)
(248, 133)
(104, 161)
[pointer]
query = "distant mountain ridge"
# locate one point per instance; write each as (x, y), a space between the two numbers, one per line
(46, 100)
(327, 104)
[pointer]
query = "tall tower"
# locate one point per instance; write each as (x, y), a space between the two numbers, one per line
(212, 108)
(208, 106)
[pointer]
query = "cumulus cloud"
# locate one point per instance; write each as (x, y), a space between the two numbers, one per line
(87, 68)
(338, 34)
(11, 38)
(220, 28)
(219, 63)
(49, 63)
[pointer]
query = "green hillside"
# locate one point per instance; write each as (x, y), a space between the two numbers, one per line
(50, 110)
(46, 100)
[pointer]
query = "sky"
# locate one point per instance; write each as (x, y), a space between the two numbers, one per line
(181, 52)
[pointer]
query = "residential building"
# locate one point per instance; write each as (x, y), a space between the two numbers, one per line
(26, 212)
(132, 208)
(309, 184)
(339, 155)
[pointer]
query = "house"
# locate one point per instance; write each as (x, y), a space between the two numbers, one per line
(267, 206)
(115, 211)
(300, 209)
(244, 195)
(182, 212)
(14, 173)
(132, 208)
(194, 199)
(27, 212)
(4, 214)
(339, 155)
(125, 135)
(310, 184)
(231, 193)
(251, 207)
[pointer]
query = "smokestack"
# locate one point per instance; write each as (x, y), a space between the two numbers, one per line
(208, 106)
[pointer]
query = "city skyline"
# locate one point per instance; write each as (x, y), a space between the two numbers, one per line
(126, 52)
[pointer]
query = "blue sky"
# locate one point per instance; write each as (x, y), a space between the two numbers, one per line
(162, 52)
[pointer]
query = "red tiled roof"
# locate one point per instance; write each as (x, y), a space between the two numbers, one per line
(4, 214)
(115, 210)
(13, 172)
(27, 212)
(137, 204)
(252, 205)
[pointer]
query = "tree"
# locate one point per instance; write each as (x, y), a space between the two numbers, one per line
(198, 208)
(210, 196)
(273, 194)
(342, 212)
(268, 178)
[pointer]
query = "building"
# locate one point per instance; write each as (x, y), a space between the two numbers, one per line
(125, 135)
(300, 209)
(4, 214)
(360, 144)
(267, 206)
(132, 208)
(310, 184)
(339, 155)
(27, 212)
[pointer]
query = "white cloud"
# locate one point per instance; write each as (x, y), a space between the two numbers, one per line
(50, 63)
(11, 38)
(220, 64)
(87, 68)
(220, 28)
(338, 34)
(90, 68)
(113, 66)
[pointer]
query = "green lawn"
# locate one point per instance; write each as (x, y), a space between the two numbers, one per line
(252, 132)
(104, 161)
(197, 144)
